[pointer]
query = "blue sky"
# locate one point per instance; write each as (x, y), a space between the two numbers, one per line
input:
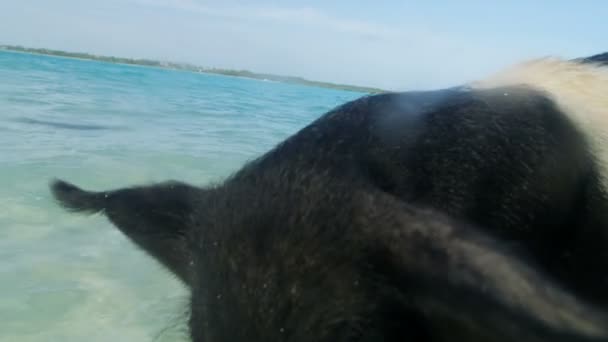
(397, 45)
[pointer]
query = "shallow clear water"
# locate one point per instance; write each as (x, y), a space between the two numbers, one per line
(73, 278)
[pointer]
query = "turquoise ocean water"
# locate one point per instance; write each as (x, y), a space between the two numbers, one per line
(73, 278)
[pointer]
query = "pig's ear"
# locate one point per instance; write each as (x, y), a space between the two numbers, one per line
(458, 277)
(155, 217)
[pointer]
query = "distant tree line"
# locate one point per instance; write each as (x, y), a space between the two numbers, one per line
(190, 67)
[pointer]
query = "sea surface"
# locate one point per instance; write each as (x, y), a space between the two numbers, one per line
(75, 278)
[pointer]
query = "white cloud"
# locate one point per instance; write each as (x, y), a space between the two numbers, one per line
(303, 16)
(319, 19)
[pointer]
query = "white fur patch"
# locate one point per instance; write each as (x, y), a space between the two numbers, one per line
(580, 90)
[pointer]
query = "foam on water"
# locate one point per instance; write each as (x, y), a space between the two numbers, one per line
(72, 278)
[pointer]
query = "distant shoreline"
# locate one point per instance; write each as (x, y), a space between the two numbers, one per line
(191, 68)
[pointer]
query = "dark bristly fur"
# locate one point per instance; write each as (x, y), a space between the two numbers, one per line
(452, 215)
(330, 263)
(601, 58)
(154, 218)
